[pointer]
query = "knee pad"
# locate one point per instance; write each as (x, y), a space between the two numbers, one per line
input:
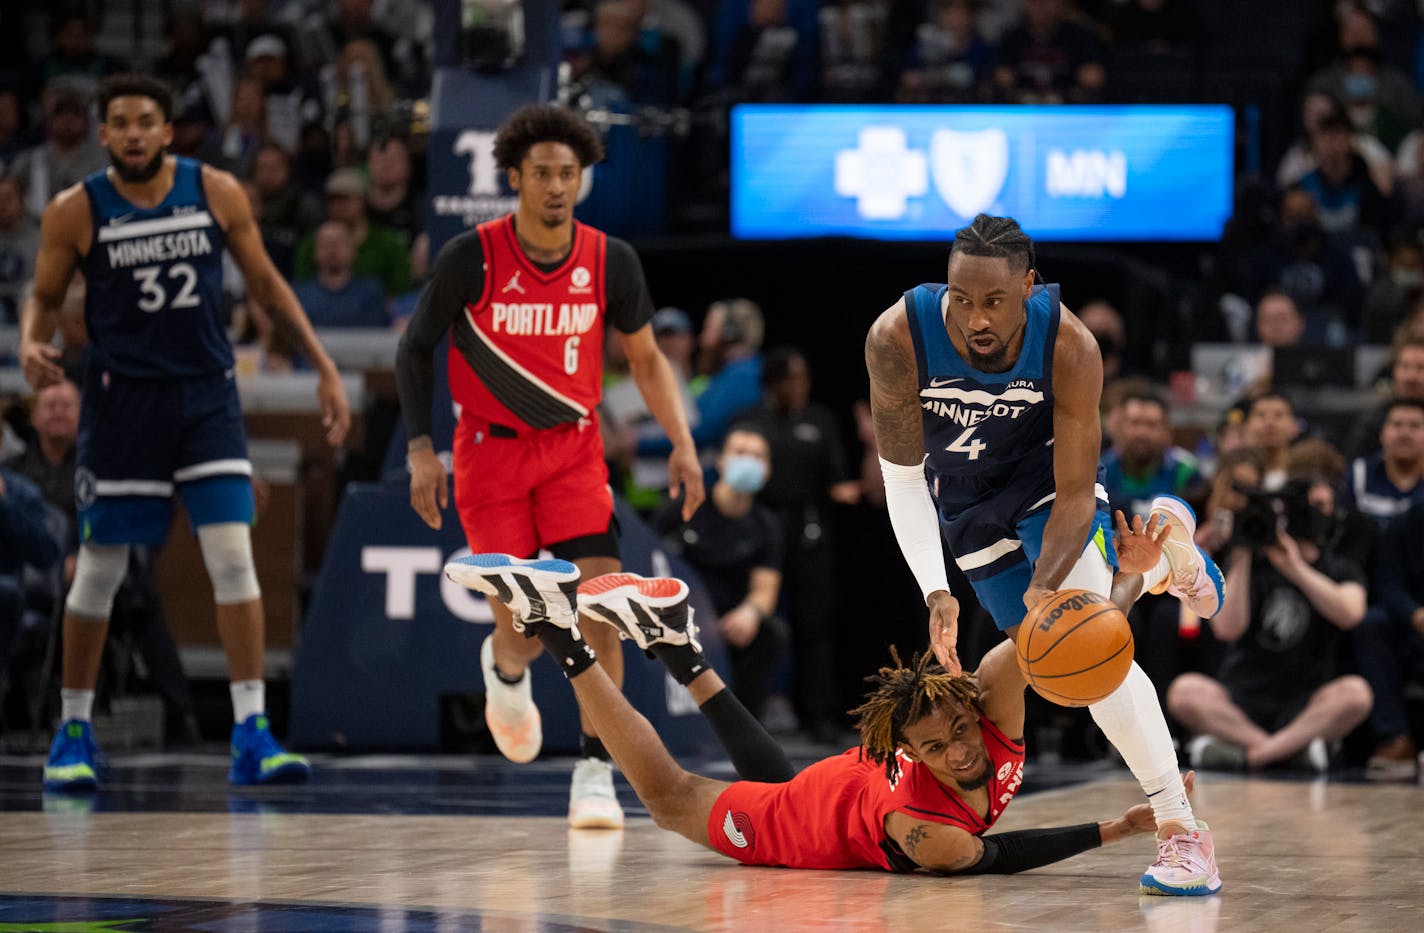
(98, 573)
(227, 553)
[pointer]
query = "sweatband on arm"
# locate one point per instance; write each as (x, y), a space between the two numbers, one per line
(916, 523)
(1006, 853)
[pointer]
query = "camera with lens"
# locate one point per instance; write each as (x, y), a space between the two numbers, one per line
(1287, 509)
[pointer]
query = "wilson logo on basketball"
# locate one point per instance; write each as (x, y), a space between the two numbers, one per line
(738, 827)
(1072, 604)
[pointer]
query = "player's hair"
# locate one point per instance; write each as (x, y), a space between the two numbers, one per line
(134, 84)
(545, 123)
(999, 237)
(903, 695)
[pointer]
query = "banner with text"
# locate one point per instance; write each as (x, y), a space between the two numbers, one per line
(918, 173)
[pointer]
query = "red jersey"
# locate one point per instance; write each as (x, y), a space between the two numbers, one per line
(832, 815)
(535, 355)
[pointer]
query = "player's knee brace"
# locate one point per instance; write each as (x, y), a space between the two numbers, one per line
(98, 573)
(227, 553)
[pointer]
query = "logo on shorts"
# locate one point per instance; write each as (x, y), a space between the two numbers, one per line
(580, 278)
(738, 827)
(84, 493)
(513, 284)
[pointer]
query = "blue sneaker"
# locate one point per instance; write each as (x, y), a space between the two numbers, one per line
(1195, 578)
(258, 759)
(70, 768)
(534, 590)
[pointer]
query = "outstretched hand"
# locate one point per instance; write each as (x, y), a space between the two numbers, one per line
(1139, 547)
(944, 631)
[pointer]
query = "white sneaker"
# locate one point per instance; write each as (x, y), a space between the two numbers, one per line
(510, 713)
(593, 803)
(534, 590)
(1195, 579)
(1185, 866)
(648, 610)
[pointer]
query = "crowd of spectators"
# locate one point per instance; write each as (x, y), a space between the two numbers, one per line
(302, 100)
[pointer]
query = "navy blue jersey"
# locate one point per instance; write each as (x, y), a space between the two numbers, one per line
(987, 434)
(154, 281)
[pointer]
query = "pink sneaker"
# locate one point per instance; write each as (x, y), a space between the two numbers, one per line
(1195, 579)
(1185, 866)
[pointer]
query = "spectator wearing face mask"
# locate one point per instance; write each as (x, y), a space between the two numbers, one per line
(1106, 325)
(1380, 99)
(736, 547)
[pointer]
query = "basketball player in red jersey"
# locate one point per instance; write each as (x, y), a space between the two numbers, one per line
(527, 298)
(941, 756)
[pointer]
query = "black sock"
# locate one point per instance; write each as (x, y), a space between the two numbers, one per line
(572, 653)
(754, 753)
(683, 662)
(591, 746)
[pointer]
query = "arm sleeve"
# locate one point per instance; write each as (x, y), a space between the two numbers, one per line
(458, 278)
(916, 523)
(1006, 853)
(629, 304)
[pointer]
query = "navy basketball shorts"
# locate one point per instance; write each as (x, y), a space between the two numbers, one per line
(997, 554)
(141, 439)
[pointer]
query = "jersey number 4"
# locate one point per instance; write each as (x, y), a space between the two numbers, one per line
(967, 443)
(155, 292)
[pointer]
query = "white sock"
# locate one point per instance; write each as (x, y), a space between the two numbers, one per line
(249, 698)
(1132, 720)
(76, 704)
(1156, 575)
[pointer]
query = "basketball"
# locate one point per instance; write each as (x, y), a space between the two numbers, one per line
(1075, 647)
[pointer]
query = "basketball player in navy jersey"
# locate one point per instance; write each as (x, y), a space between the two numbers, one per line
(985, 395)
(160, 409)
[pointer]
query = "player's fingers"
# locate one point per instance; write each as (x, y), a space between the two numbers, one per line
(1189, 782)
(442, 490)
(1119, 524)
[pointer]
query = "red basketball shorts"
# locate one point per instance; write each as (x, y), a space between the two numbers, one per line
(518, 494)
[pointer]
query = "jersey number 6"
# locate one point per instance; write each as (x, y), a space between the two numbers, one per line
(155, 295)
(571, 355)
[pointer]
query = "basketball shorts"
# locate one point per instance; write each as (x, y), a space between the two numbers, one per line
(519, 489)
(778, 824)
(142, 439)
(998, 559)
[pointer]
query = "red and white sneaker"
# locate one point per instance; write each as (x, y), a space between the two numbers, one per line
(510, 713)
(648, 610)
(1195, 578)
(1185, 866)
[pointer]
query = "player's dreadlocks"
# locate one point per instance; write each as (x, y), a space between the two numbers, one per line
(545, 123)
(999, 237)
(903, 695)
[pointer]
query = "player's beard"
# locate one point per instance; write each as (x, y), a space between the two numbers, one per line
(137, 176)
(978, 780)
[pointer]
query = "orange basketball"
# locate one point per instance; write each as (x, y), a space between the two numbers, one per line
(1075, 647)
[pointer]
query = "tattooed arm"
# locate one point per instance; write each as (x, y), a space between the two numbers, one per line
(900, 440)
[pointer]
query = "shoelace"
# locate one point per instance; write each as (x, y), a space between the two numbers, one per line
(1180, 852)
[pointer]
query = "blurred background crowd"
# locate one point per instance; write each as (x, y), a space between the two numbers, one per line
(1307, 474)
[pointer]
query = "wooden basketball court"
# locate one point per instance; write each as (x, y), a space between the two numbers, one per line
(449, 844)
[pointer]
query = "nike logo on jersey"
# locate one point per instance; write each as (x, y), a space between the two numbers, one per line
(513, 284)
(936, 383)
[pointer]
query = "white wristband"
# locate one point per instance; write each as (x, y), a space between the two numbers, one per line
(916, 523)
